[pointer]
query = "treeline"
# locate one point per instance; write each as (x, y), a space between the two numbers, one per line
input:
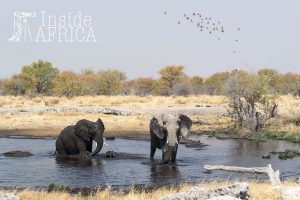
(42, 78)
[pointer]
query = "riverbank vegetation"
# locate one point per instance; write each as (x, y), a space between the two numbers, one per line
(258, 191)
(42, 78)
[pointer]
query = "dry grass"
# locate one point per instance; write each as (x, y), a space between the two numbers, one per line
(2, 102)
(51, 101)
(44, 123)
(258, 191)
(11, 101)
(50, 124)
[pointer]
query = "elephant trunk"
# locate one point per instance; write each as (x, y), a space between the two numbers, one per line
(99, 146)
(167, 155)
(99, 137)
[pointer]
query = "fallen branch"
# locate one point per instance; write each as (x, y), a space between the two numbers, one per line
(274, 176)
(259, 170)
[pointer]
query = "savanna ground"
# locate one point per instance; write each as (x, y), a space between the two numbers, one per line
(46, 116)
(258, 191)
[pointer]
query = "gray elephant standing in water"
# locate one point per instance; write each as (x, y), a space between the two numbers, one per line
(78, 138)
(166, 131)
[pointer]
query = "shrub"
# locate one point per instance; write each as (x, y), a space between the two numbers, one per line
(144, 86)
(251, 105)
(109, 82)
(68, 84)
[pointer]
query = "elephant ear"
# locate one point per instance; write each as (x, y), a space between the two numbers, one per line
(82, 130)
(100, 124)
(185, 125)
(157, 128)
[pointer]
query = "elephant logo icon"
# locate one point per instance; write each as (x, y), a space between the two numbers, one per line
(21, 26)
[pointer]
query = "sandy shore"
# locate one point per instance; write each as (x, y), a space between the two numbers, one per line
(128, 118)
(124, 116)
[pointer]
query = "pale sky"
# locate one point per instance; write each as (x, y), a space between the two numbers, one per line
(135, 36)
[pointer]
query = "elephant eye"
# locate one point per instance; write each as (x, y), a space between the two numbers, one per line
(164, 123)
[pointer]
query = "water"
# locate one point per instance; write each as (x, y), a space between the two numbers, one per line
(133, 167)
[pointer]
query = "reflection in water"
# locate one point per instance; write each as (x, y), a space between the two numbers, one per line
(160, 173)
(68, 161)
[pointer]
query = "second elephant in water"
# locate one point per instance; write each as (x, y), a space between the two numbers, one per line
(78, 138)
(165, 132)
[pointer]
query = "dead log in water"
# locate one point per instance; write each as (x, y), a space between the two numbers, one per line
(274, 176)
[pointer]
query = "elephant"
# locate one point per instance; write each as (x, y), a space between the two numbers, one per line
(78, 138)
(166, 131)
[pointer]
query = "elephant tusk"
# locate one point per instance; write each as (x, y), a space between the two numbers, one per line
(103, 143)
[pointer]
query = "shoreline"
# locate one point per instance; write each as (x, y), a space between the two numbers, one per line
(48, 134)
(126, 189)
(258, 190)
(144, 135)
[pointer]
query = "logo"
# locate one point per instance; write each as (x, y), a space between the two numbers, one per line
(21, 26)
(52, 28)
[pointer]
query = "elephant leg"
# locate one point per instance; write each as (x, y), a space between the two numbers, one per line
(173, 158)
(89, 145)
(174, 154)
(163, 157)
(60, 147)
(152, 152)
(81, 146)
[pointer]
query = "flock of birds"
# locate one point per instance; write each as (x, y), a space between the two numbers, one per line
(205, 24)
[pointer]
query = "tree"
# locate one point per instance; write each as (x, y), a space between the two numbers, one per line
(215, 82)
(160, 89)
(289, 84)
(196, 84)
(87, 70)
(39, 75)
(128, 87)
(181, 88)
(14, 86)
(109, 81)
(171, 74)
(144, 86)
(252, 104)
(68, 84)
(271, 76)
(89, 83)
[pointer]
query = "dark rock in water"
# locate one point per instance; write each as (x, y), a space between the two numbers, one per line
(195, 144)
(110, 138)
(110, 154)
(268, 156)
(18, 154)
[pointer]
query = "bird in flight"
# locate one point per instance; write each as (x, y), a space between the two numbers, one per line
(206, 24)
